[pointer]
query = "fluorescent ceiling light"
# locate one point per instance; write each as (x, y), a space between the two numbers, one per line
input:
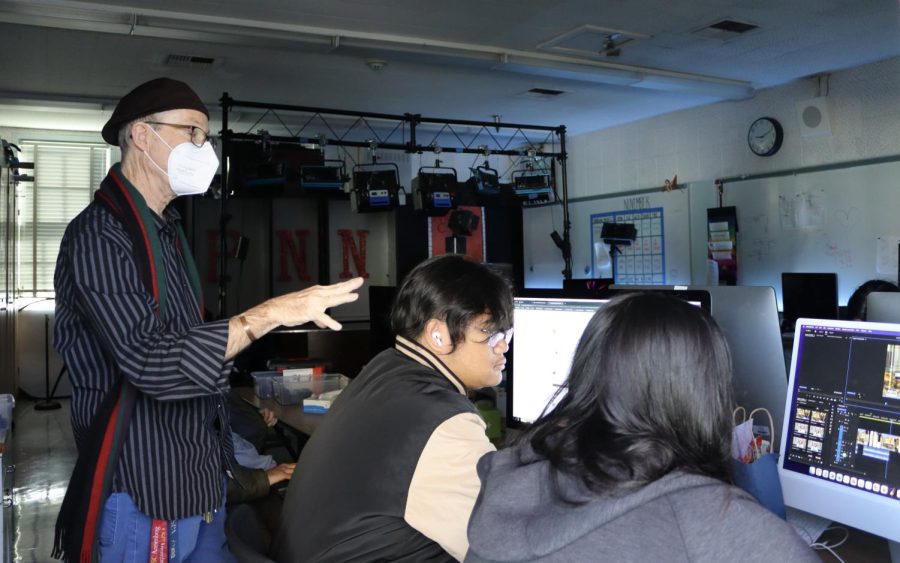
(107, 18)
(583, 73)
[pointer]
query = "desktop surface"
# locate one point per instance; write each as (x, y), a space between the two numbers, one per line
(291, 416)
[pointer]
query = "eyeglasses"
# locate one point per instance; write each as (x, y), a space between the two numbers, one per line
(494, 338)
(198, 135)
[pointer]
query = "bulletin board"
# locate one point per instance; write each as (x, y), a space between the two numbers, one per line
(543, 260)
(644, 260)
(844, 220)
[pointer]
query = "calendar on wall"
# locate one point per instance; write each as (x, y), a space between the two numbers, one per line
(644, 260)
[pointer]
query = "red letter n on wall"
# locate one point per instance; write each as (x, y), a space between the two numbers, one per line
(297, 253)
(349, 249)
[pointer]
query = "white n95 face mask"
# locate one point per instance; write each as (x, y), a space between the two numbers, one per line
(191, 168)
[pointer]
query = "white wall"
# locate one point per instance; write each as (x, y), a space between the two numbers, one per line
(710, 142)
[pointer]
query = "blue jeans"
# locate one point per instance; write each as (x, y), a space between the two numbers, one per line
(125, 535)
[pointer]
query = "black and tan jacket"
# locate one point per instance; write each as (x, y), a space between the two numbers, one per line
(390, 474)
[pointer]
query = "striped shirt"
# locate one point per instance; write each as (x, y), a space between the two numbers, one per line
(178, 443)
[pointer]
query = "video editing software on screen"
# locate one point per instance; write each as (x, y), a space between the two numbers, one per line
(845, 416)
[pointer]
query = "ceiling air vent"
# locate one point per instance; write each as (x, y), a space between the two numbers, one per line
(548, 92)
(725, 29)
(733, 26)
(591, 41)
(190, 61)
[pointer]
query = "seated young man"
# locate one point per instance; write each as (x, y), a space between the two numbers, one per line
(390, 474)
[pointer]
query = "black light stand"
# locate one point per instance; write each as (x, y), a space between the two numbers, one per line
(48, 404)
(616, 234)
(613, 250)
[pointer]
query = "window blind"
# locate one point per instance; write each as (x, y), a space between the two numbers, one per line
(65, 177)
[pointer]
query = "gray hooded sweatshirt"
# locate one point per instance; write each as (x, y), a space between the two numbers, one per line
(679, 518)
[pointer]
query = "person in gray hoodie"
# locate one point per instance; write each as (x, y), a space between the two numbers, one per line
(633, 461)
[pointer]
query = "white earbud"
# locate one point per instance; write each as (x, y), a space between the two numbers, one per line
(437, 338)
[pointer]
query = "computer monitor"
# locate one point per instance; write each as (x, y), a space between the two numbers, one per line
(813, 296)
(748, 315)
(547, 331)
(840, 457)
(548, 325)
(749, 318)
(883, 307)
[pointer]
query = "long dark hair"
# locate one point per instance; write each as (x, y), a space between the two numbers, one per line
(649, 392)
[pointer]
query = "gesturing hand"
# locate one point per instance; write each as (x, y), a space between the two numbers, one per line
(310, 304)
(292, 309)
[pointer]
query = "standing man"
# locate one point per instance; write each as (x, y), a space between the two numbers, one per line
(390, 474)
(148, 375)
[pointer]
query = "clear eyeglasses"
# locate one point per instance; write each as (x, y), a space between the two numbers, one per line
(495, 337)
(198, 135)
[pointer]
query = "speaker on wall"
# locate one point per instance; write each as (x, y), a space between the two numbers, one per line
(814, 117)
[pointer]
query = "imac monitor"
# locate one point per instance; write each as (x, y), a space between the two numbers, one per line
(748, 316)
(883, 307)
(548, 326)
(840, 458)
(547, 331)
(813, 296)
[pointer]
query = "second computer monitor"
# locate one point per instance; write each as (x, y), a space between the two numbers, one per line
(883, 307)
(748, 315)
(814, 296)
(840, 457)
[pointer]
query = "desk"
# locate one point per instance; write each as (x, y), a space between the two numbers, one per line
(291, 416)
(861, 547)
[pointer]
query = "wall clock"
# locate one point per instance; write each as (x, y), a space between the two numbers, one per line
(765, 136)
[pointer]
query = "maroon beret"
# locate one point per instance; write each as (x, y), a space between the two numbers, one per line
(160, 94)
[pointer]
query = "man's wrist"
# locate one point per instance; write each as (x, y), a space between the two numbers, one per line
(247, 329)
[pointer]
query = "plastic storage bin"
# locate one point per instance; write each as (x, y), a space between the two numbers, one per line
(293, 389)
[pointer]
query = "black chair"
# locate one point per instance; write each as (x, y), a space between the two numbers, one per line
(247, 537)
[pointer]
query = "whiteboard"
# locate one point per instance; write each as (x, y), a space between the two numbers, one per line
(543, 261)
(844, 220)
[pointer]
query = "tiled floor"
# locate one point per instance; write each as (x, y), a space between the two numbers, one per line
(44, 453)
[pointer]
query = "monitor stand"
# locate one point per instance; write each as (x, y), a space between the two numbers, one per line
(808, 526)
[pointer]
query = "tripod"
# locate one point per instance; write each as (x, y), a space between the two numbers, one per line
(613, 251)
